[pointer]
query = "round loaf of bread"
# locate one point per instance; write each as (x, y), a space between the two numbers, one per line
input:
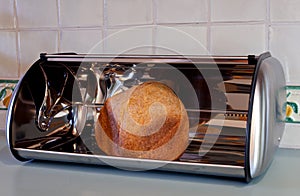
(147, 121)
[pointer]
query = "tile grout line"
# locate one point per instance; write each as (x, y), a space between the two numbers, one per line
(208, 26)
(285, 22)
(104, 28)
(154, 29)
(268, 24)
(218, 23)
(229, 23)
(56, 28)
(18, 40)
(59, 26)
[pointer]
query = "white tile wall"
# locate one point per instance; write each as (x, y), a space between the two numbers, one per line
(284, 44)
(224, 27)
(8, 55)
(32, 43)
(285, 10)
(178, 11)
(81, 41)
(6, 14)
(2, 119)
(129, 12)
(238, 10)
(291, 137)
(238, 39)
(181, 40)
(37, 14)
(136, 40)
(84, 13)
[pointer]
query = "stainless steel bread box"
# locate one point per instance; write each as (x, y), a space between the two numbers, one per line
(235, 107)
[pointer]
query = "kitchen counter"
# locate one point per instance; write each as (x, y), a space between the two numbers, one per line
(45, 178)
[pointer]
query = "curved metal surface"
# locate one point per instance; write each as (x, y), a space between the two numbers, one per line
(45, 97)
(267, 123)
(9, 121)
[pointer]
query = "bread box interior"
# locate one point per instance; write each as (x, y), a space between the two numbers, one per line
(234, 107)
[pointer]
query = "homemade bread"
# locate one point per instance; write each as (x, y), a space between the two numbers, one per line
(147, 121)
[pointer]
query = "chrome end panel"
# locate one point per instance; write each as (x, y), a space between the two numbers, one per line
(268, 115)
(8, 126)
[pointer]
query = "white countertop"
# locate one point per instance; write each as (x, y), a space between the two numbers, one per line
(45, 178)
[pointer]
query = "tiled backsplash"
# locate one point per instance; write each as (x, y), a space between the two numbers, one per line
(219, 27)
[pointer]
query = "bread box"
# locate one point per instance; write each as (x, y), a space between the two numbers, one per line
(229, 116)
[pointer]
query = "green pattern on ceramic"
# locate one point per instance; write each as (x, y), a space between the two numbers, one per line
(288, 119)
(3, 92)
(6, 89)
(292, 104)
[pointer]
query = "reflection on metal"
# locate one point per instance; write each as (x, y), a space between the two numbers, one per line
(53, 109)
(267, 116)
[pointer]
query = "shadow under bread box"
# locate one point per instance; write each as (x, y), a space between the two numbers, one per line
(234, 107)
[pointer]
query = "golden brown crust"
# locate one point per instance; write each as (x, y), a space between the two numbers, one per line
(146, 121)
